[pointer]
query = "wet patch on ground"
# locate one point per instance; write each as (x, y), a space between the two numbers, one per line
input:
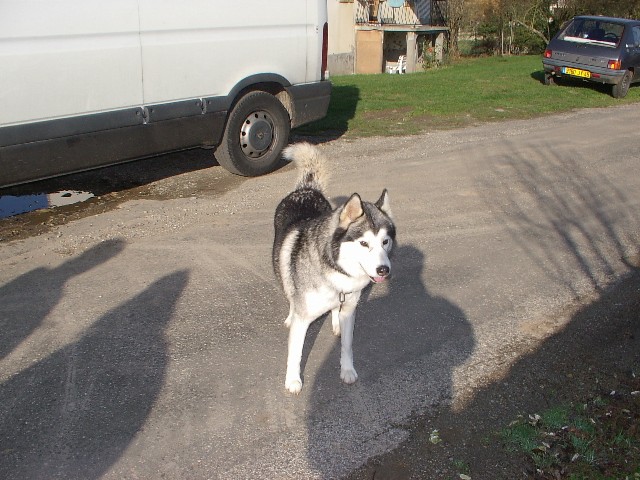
(181, 174)
(11, 205)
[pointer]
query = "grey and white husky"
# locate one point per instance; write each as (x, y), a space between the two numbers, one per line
(324, 257)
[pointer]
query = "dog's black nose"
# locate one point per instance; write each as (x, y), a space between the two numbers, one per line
(382, 270)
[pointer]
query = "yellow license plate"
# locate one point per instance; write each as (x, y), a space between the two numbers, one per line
(576, 72)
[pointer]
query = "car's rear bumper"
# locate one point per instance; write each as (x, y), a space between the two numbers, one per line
(598, 74)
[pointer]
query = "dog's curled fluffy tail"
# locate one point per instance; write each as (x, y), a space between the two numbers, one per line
(311, 165)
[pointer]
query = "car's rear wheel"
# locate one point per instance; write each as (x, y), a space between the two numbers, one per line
(257, 130)
(620, 89)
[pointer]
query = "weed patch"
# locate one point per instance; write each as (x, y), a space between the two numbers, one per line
(597, 439)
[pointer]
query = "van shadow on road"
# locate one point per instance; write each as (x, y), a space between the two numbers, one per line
(124, 176)
(406, 345)
(72, 414)
(342, 108)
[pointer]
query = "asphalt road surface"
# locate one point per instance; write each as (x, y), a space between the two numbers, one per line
(147, 340)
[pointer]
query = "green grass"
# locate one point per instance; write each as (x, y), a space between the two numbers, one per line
(467, 92)
(595, 440)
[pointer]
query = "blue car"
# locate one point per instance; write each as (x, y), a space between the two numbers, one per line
(595, 49)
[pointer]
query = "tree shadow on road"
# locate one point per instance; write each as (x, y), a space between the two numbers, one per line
(571, 225)
(592, 357)
(580, 231)
(407, 344)
(73, 414)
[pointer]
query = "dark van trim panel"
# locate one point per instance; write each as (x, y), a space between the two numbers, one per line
(49, 148)
(44, 149)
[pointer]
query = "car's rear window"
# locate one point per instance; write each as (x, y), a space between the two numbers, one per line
(592, 30)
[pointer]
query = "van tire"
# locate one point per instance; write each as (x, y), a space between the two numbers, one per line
(257, 130)
(620, 89)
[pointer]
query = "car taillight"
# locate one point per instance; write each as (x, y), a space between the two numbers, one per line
(325, 50)
(548, 53)
(614, 65)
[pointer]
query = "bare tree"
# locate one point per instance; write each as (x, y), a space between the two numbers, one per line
(455, 16)
(612, 8)
(533, 15)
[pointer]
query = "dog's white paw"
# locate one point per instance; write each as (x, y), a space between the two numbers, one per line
(293, 385)
(348, 376)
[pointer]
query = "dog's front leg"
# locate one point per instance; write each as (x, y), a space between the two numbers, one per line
(347, 315)
(297, 333)
(335, 321)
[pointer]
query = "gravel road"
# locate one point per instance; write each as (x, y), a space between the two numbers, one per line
(142, 330)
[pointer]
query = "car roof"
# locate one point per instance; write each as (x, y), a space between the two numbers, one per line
(626, 21)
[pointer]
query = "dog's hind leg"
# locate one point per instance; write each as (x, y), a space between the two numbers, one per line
(297, 333)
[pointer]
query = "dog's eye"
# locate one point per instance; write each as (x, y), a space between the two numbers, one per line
(364, 244)
(385, 241)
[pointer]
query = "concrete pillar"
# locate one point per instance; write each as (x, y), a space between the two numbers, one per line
(412, 52)
(439, 47)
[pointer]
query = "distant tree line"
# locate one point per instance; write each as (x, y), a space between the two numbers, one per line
(481, 27)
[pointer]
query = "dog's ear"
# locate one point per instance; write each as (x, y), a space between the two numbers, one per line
(384, 204)
(351, 211)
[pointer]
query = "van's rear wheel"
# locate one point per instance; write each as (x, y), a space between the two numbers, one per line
(257, 130)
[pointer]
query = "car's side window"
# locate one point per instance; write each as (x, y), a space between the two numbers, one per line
(636, 36)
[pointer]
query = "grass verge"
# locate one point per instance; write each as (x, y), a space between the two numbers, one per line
(596, 438)
(465, 93)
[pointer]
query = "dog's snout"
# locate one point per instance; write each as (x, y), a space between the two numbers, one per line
(382, 270)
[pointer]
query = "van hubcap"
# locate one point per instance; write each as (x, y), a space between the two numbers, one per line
(256, 134)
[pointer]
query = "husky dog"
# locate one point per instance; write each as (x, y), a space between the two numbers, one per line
(324, 257)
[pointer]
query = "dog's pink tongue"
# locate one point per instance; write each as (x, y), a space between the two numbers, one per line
(379, 279)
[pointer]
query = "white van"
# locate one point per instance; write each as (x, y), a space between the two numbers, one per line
(88, 83)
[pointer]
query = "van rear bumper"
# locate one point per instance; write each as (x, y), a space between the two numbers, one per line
(310, 101)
